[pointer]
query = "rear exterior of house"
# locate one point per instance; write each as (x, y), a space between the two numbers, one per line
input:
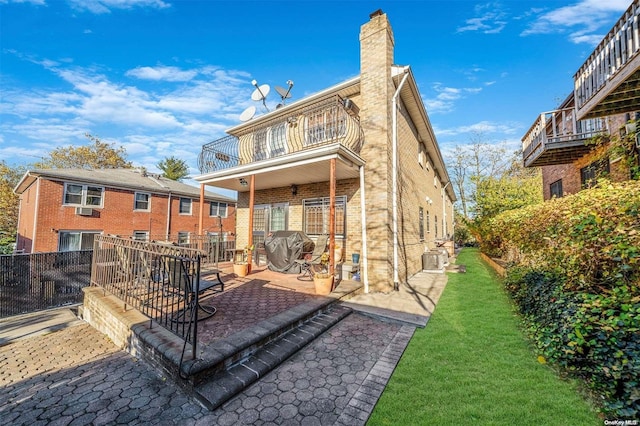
(595, 132)
(358, 161)
(62, 210)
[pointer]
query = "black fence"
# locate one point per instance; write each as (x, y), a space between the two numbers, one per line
(38, 281)
(160, 279)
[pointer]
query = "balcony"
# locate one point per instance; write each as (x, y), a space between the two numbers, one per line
(556, 137)
(608, 82)
(313, 129)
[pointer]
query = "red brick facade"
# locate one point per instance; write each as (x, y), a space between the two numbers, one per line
(570, 174)
(43, 216)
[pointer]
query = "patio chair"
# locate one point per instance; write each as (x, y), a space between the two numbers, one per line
(312, 258)
(180, 280)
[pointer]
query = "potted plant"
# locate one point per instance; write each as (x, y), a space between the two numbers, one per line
(322, 280)
(241, 269)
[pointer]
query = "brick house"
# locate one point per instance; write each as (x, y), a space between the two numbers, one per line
(358, 161)
(63, 209)
(605, 103)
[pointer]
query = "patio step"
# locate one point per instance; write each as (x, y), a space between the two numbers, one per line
(219, 388)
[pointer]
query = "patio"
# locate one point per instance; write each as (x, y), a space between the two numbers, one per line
(246, 301)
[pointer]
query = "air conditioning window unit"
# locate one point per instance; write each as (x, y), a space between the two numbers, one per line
(84, 211)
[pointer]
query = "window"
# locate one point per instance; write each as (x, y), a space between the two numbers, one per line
(316, 216)
(435, 226)
(76, 240)
(269, 218)
(83, 195)
(141, 201)
(428, 224)
(325, 125)
(270, 142)
(278, 140)
(183, 237)
(185, 206)
(218, 209)
(260, 145)
(590, 174)
(556, 189)
(141, 235)
(421, 223)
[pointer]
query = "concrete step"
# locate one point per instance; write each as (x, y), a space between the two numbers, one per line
(219, 388)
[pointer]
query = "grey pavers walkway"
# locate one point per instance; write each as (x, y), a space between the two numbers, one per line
(77, 376)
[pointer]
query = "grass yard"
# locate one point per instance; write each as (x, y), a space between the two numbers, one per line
(473, 365)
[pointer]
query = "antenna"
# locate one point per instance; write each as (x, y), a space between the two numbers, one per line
(260, 94)
(284, 93)
(248, 113)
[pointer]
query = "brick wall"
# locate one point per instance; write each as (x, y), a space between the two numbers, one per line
(117, 216)
(570, 173)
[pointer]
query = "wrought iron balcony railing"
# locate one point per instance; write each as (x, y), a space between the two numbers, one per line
(618, 48)
(328, 121)
(558, 130)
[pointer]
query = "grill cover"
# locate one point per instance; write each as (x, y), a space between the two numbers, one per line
(284, 247)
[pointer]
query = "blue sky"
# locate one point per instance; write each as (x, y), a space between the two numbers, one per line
(164, 77)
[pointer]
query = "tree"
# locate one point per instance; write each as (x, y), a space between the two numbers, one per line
(9, 205)
(470, 163)
(173, 168)
(99, 155)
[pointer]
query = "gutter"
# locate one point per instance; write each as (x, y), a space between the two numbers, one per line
(394, 175)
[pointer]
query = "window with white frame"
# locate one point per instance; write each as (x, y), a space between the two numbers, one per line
(183, 237)
(76, 240)
(142, 201)
(270, 142)
(141, 235)
(83, 195)
(325, 125)
(278, 140)
(316, 216)
(421, 223)
(217, 208)
(185, 206)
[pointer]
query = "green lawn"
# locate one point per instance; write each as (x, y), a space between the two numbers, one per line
(473, 365)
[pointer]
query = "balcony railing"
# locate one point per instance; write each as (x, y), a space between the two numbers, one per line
(556, 137)
(328, 121)
(619, 47)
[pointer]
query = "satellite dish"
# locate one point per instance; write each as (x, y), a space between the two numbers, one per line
(284, 93)
(261, 92)
(248, 113)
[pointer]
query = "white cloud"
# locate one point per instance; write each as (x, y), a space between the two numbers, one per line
(444, 102)
(106, 6)
(581, 20)
(482, 128)
(489, 19)
(162, 73)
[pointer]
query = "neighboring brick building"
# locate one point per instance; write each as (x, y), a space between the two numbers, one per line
(335, 150)
(62, 209)
(605, 105)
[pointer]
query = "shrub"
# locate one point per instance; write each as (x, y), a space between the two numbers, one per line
(576, 282)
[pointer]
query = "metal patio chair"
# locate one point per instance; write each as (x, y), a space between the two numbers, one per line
(312, 258)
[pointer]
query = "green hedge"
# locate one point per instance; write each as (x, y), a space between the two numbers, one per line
(575, 276)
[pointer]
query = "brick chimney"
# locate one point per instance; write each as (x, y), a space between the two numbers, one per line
(376, 92)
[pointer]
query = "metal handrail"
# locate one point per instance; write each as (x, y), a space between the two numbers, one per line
(328, 121)
(616, 49)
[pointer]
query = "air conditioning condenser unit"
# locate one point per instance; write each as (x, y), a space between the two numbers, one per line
(84, 211)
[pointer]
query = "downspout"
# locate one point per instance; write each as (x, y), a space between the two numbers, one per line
(444, 209)
(394, 176)
(35, 221)
(363, 223)
(168, 217)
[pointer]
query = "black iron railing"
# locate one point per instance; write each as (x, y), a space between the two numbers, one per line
(159, 279)
(38, 281)
(328, 121)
